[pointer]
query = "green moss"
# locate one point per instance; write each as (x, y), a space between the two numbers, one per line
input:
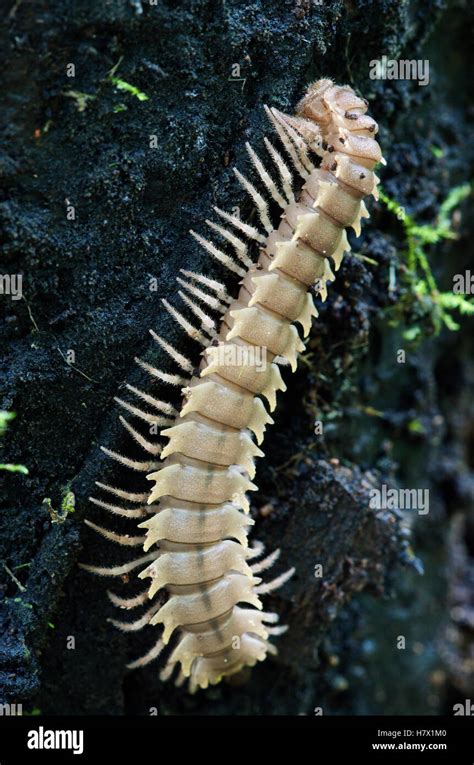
(415, 426)
(429, 309)
(81, 100)
(68, 506)
(21, 602)
(128, 88)
(437, 152)
(68, 503)
(14, 468)
(5, 418)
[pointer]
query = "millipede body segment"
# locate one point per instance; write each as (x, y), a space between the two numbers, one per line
(203, 585)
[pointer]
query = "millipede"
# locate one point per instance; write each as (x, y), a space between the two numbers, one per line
(204, 593)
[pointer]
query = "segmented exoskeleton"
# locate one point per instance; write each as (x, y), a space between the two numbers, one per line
(204, 591)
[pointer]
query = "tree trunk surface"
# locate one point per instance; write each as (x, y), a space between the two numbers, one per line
(100, 186)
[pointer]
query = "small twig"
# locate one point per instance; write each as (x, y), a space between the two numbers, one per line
(365, 258)
(12, 576)
(76, 369)
(31, 315)
(112, 71)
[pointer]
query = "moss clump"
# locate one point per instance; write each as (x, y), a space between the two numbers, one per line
(5, 418)
(421, 298)
(68, 506)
